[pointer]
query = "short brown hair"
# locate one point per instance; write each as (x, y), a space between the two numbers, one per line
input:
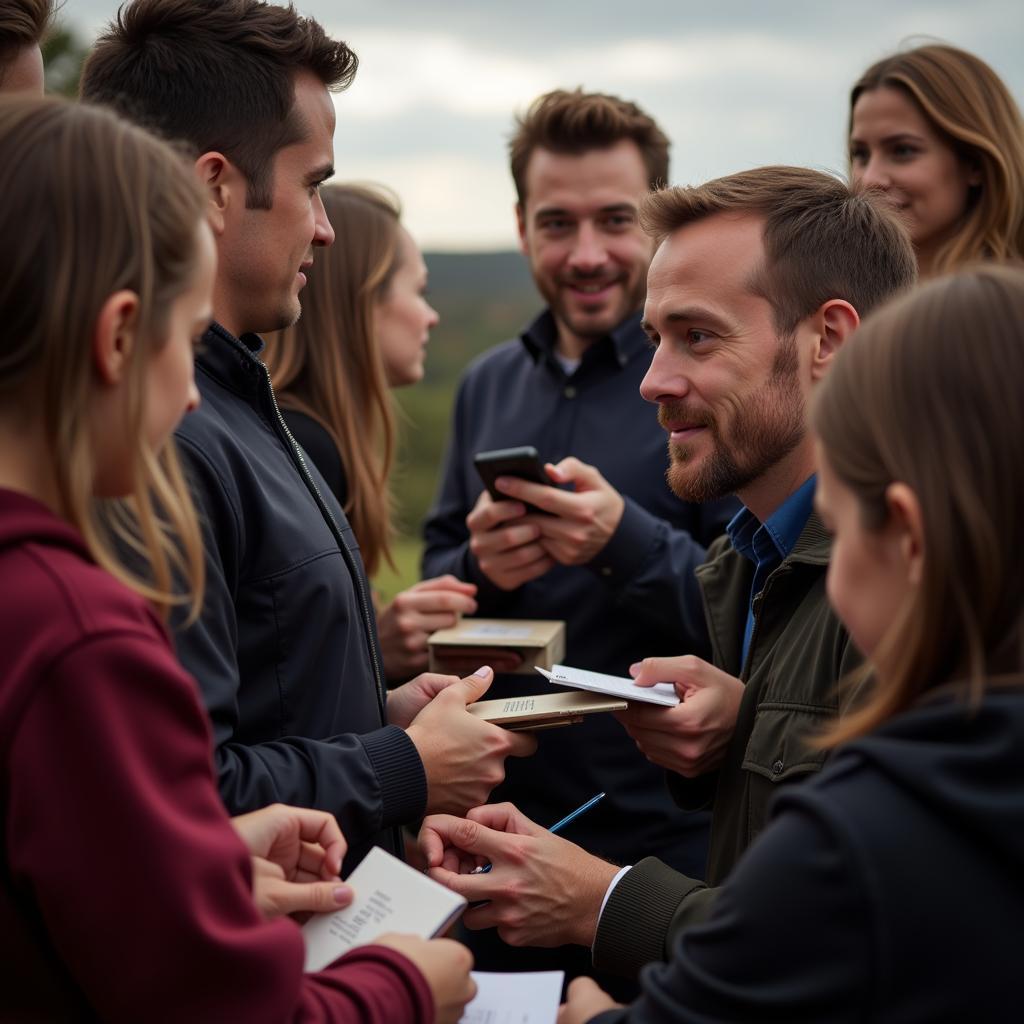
(822, 239)
(216, 74)
(576, 122)
(22, 23)
(928, 394)
(968, 105)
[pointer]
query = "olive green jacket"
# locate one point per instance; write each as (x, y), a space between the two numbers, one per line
(798, 653)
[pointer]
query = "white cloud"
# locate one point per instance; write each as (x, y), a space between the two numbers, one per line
(449, 201)
(404, 71)
(734, 85)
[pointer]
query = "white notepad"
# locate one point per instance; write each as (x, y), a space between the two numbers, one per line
(390, 896)
(614, 686)
(529, 998)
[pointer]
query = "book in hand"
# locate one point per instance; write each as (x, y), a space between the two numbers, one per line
(390, 896)
(612, 686)
(543, 711)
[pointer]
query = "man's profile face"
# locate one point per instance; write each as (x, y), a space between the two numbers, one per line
(263, 252)
(730, 390)
(24, 72)
(579, 228)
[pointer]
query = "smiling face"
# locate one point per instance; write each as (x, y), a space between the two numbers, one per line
(730, 391)
(402, 317)
(263, 252)
(579, 227)
(894, 147)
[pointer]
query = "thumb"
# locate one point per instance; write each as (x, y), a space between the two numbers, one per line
(473, 687)
(686, 673)
(310, 897)
(571, 471)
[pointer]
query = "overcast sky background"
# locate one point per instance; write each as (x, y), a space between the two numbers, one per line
(734, 84)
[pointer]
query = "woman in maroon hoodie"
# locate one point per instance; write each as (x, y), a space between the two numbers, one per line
(125, 894)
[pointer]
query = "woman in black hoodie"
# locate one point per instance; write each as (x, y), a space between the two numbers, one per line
(890, 887)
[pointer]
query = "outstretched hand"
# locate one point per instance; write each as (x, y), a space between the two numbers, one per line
(463, 756)
(404, 624)
(541, 890)
(692, 737)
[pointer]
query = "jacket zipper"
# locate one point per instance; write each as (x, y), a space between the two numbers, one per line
(357, 576)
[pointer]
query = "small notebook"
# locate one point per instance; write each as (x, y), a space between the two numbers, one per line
(527, 998)
(543, 711)
(390, 896)
(613, 686)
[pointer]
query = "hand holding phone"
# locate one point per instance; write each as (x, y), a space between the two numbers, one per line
(522, 462)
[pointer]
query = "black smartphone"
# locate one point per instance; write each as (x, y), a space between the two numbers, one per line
(523, 462)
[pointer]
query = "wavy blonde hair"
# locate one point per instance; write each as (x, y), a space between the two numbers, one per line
(928, 394)
(968, 105)
(329, 365)
(91, 206)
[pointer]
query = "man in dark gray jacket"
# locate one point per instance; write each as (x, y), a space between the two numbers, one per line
(285, 649)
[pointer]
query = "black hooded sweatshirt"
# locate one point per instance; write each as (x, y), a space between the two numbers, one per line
(889, 888)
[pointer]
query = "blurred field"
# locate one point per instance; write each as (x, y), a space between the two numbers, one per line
(407, 565)
(483, 298)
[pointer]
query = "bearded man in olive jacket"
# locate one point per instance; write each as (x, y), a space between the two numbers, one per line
(759, 278)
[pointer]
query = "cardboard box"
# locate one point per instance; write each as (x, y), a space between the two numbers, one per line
(539, 642)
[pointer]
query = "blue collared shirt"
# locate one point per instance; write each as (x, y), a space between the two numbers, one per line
(767, 544)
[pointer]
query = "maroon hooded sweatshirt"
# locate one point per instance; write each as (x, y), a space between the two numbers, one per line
(125, 894)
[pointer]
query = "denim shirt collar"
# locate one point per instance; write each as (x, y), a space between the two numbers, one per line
(773, 540)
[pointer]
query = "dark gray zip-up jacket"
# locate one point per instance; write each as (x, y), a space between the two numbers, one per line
(285, 651)
(885, 890)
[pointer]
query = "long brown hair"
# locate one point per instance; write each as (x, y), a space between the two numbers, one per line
(329, 365)
(91, 206)
(968, 105)
(928, 393)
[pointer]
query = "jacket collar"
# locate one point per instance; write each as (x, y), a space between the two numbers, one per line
(625, 341)
(234, 362)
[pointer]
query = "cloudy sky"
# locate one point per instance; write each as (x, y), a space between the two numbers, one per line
(734, 84)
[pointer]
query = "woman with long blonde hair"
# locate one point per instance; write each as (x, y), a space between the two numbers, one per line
(125, 893)
(364, 329)
(938, 130)
(889, 887)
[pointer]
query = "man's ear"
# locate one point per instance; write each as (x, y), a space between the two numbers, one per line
(224, 187)
(906, 527)
(114, 336)
(521, 228)
(836, 320)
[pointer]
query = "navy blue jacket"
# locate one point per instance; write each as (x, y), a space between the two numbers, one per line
(639, 597)
(888, 888)
(285, 651)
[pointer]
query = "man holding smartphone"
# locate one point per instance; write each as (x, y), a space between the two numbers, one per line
(615, 555)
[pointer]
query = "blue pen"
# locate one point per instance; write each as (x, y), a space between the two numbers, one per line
(557, 827)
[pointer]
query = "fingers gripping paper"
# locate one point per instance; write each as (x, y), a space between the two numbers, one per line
(389, 897)
(613, 686)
